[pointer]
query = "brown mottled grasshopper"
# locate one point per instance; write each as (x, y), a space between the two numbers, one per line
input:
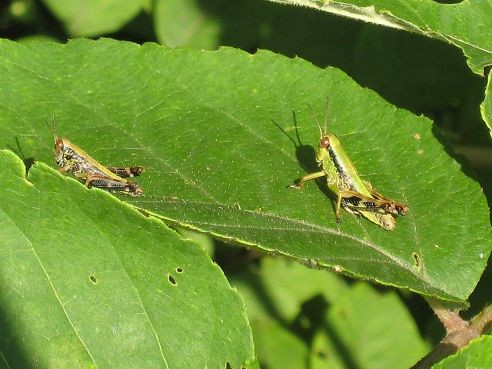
(71, 158)
(353, 194)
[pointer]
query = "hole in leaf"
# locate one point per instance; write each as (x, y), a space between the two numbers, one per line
(93, 279)
(416, 259)
(179, 270)
(171, 280)
(228, 366)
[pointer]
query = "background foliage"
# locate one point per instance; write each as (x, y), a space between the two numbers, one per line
(155, 107)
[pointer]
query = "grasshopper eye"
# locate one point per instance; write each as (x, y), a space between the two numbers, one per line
(324, 142)
(58, 145)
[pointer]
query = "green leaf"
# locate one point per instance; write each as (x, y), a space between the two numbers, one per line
(183, 22)
(477, 355)
(94, 17)
(202, 125)
(352, 325)
(274, 295)
(466, 25)
(88, 282)
(360, 327)
(278, 348)
(289, 285)
(210, 24)
(486, 106)
(283, 287)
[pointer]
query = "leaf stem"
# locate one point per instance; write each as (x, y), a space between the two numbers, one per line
(459, 332)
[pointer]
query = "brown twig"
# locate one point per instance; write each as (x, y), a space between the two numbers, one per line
(458, 332)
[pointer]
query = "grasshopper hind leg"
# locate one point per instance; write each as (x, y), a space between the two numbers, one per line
(126, 172)
(129, 188)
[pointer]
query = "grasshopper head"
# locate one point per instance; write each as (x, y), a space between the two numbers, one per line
(324, 141)
(59, 145)
(324, 144)
(60, 152)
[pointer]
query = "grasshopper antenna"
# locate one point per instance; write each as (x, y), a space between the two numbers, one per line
(325, 118)
(52, 127)
(321, 132)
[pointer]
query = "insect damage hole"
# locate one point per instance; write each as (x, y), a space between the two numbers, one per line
(179, 270)
(93, 279)
(416, 259)
(171, 280)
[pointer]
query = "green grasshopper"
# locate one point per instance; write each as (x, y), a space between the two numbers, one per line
(353, 194)
(70, 158)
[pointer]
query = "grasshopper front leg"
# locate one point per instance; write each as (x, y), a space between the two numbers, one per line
(340, 194)
(306, 178)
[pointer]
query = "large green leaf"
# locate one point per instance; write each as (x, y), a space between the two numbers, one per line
(209, 24)
(94, 17)
(202, 124)
(466, 25)
(279, 288)
(88, 282)
(182, 22)
(361, 325)
(352, 328)
(432, 75)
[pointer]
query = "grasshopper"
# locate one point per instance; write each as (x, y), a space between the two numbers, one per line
(71, 158)
(353, 194)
